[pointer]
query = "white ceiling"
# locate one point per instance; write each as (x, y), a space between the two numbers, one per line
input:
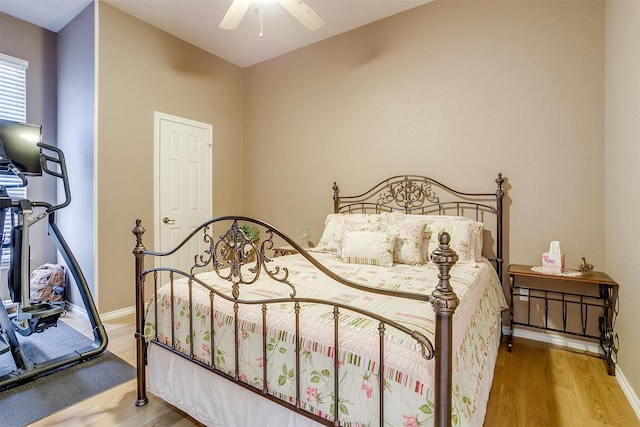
(196, 21)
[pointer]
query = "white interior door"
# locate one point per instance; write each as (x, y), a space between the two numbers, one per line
(183, 182)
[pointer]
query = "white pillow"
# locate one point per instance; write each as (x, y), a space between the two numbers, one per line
(331, 239)
(409, 243)
(466, 234)
(368, 247)
(398, 217)
(466, 237)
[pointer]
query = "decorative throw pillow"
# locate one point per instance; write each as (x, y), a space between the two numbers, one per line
(331, 239)
(466, 234)
(401, 218)
(408, 247)
(368, 247)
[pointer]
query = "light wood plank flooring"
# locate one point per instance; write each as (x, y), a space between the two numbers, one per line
(535, 385)
(541, 385)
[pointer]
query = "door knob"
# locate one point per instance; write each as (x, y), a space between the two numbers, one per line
(168, 221)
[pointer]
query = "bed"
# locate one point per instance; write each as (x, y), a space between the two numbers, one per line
(393, 319)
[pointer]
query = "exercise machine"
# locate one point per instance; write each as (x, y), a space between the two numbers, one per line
(22, 154)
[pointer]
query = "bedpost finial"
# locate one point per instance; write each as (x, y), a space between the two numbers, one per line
(499, 181)
(138, 231)
(444, 299)
(444, 238)
(443, 255)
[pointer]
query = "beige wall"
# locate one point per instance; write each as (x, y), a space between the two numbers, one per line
(458, 91)
(141, 70)
(622, 151)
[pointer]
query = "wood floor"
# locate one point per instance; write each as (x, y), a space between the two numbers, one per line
(540, 385)
(535, 385)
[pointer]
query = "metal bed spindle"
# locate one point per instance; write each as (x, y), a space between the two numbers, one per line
(155, 302)
(191, 334)
(236, 329)
(173, 314)
(211, 329)
(296, 309)
(264, 349)
(336, 406)
(381, 379)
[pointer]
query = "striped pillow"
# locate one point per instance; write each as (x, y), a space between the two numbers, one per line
(331, 239)
(368, 247)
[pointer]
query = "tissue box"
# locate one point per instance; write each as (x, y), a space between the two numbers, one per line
(553, 262)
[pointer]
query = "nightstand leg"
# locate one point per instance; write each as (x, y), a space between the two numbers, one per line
(605, 324)
(512, 280)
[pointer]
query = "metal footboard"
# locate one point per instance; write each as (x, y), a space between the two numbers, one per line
(240, 261)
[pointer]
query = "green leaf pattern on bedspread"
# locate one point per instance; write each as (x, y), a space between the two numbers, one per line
(407, 377)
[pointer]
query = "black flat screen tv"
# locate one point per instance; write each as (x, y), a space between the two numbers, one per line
(18, 145)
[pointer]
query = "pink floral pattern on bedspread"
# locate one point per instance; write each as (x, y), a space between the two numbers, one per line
(407, 377)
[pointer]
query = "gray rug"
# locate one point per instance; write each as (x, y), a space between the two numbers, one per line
(34, 400)
(39, 347)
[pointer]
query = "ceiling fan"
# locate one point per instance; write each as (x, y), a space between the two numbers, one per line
(298, 8)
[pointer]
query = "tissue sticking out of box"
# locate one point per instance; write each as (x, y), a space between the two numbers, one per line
(553, 261)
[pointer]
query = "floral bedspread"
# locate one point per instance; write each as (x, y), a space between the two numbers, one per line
(407, 377)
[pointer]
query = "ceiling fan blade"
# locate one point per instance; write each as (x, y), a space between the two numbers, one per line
(234, 14)
(303, 13)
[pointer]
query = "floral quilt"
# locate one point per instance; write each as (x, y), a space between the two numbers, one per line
(406, 378)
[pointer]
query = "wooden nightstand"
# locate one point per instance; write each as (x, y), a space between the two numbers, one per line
(284, 250)
(561, 292)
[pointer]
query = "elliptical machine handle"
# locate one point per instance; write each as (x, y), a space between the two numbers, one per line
(62, 173)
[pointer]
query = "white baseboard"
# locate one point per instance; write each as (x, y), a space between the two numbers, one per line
(579, 345)
(551, 338)
(76, 309)
(105, 316)
(118, 313)
(628, 391)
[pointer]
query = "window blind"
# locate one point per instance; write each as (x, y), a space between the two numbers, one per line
(13, 88)
(13, 106)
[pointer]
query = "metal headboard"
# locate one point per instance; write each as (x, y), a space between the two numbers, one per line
(416, 194)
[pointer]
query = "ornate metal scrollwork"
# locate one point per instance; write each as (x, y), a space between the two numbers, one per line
(279, 274)
(609, 340)
(408, 194)
(243, 257)
(202, 260)
(428, 352)
(235, 249)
